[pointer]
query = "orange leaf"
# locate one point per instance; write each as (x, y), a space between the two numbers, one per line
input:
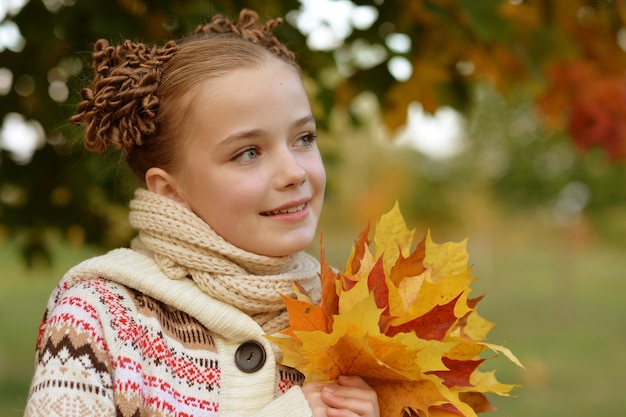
(305, 316)
(330, 298)
(477, 401)
(398, 396)
(411, 266)
(359, 249)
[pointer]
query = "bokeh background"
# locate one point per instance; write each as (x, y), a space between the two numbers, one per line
(499, 121)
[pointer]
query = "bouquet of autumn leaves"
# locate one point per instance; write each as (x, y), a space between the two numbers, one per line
(400, 319)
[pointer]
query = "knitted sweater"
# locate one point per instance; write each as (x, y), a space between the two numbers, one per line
(153, 346)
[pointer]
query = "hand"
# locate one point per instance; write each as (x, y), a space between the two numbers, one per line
(350, 396)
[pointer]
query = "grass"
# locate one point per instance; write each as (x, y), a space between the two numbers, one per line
(557, 304)
(560, 308)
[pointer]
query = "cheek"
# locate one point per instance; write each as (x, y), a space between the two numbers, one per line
(206, 195)
(240, 193)
(317, 173)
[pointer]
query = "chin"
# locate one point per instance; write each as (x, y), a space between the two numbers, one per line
(286, 248)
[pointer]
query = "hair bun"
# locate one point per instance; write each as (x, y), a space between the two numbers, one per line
(249, 28)
(121, 107)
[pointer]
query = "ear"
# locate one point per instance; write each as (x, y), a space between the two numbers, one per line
(161, 182)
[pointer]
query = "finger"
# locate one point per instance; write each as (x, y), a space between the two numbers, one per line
(354, 387)
(360, 401)
(352, 381)
(312, 387)
(341, 412)
(313, 394)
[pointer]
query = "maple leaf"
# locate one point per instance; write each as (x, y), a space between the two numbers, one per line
(401, 318)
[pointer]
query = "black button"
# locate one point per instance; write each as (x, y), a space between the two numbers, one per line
(250, 356)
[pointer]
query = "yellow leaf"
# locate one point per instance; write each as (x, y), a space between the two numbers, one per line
(445, 259)
(392, 238)
(464, 349)
(401, 297)
(349, 299)
(290, 348)
(506, 352)
(409, 289)
(441, 292)
(477, 327)
(487, 382)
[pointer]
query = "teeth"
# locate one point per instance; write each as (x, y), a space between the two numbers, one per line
(289, 210)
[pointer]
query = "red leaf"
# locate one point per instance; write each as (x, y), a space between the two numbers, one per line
(458, 373)
(347, 283)
(431, 326)
(378, 286)
(472, 302)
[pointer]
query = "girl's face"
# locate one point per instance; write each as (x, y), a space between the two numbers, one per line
(251, 168)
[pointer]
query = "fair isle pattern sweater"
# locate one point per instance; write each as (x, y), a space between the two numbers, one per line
(119, 338)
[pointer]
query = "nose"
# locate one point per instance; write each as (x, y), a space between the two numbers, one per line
(290, 170)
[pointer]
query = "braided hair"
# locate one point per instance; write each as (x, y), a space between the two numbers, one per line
(140, 93)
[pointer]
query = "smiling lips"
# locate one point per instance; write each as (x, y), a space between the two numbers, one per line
(284, 211)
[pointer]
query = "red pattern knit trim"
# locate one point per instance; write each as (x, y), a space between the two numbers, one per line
(154, 348)
(87, 321)
(287, 378)
(156, 392)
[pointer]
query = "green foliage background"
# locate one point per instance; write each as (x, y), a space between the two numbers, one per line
(66, 192)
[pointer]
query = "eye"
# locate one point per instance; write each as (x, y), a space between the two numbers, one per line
(307, 140)
(247, 154)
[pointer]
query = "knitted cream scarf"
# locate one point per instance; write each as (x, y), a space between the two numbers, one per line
(184, 246)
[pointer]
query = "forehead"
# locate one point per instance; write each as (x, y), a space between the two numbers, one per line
(265, 96)
(271, 78)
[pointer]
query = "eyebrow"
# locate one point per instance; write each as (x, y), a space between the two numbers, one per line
(257, 133)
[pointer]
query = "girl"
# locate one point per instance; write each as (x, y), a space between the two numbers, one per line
(220, 128)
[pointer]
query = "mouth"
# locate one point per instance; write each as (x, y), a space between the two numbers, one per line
(285, 211)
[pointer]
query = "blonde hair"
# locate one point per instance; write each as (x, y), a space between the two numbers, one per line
(140, 94)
